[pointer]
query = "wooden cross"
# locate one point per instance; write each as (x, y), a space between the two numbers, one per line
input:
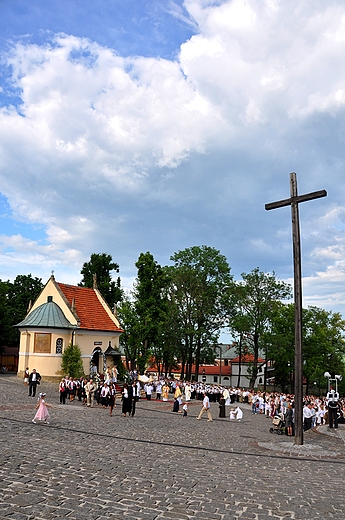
(293, 201)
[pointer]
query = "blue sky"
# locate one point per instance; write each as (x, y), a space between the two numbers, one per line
(134, 126)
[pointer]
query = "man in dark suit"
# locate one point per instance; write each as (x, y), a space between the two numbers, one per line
(34, 380)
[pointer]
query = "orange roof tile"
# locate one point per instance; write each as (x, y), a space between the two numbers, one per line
(90, 311)
(203, 369)
(246, 358)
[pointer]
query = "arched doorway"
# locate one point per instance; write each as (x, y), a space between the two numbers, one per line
(97, 362)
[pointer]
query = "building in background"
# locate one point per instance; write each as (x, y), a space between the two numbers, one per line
(64, 314)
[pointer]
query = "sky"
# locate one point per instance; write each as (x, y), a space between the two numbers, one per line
(129, 126)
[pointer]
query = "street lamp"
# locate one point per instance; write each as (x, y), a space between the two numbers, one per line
(220, 362)
(336, 378)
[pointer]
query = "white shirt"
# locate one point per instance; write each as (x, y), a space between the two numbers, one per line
(206, 402)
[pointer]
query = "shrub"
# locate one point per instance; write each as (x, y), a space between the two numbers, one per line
(72, 363)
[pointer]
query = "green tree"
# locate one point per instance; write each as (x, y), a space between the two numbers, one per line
(323, 345)
(150, 305)
(72, 363)
(101, 266)
(15, 299)
(21, 294)
(130, 339)
(5, 321)
(200, 276)
(322, 340)
(280, 342)
(258, 296)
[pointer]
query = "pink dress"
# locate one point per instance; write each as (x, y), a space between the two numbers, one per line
(42, 413)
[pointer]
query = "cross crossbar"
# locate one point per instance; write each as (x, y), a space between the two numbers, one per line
(299, 198)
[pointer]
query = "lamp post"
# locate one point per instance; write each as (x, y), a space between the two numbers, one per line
(336, 378)
(220, 362)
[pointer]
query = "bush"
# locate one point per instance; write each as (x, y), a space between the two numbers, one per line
(72, 364)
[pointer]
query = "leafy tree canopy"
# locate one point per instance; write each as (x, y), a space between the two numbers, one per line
(101, 265)
(15, 298)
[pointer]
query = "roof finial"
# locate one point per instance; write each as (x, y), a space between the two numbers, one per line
(52, 275)
(94, 276)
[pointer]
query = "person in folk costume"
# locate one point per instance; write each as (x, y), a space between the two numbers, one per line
(26, 376)
(126, 401)
(83, 382)
(62, 391)
(70, 386)
(114, 374)
(80, 388)
(90, 388)
(104, 395)
(42, 413)
(111, 398)
(135, 394)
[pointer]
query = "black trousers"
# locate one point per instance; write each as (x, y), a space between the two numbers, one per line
(307, 423)
(134, 402)
(333, 417)
(32, 388)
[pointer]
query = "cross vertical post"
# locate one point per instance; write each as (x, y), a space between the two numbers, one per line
(296, 242)
(294, 200)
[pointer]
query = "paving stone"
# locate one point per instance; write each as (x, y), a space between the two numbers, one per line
(86, 465)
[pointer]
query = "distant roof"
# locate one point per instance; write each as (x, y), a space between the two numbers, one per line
(246, 358)
(203, 370)
(48, 314)
(90, 312)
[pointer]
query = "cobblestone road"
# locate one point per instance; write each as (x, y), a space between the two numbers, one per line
(158, 465)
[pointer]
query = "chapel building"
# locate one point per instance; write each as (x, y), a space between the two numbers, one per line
(64, 314)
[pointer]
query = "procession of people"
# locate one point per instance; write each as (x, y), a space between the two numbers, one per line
(106, 391)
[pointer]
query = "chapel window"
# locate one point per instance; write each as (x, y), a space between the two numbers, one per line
(59, 344)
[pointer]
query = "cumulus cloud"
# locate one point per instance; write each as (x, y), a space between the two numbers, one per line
(128, 154)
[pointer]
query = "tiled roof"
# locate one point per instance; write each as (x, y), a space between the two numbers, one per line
(209, 370)
(89, 309)
(246, 358)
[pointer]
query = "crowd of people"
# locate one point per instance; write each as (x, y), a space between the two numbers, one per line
(316, 410)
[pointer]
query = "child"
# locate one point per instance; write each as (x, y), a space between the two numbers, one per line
(232, 415)
(238, 413)
(185, 409)
(42, 413)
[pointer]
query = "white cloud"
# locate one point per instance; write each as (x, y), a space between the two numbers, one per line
(125, 155)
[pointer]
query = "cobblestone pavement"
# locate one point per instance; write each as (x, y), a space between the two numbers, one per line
(158, 465)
